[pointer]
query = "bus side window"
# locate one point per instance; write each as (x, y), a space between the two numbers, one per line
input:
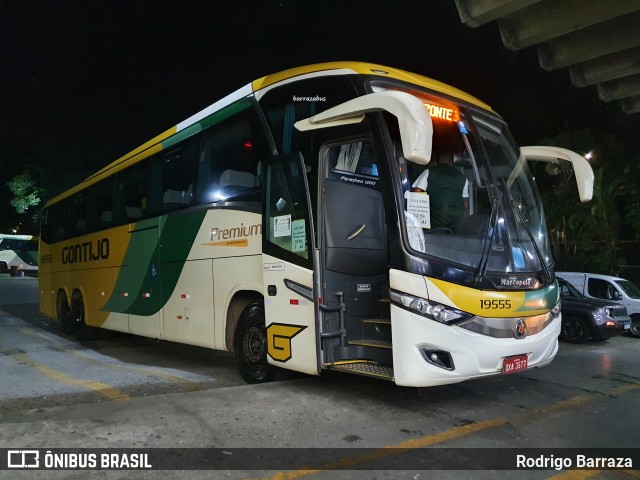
(132, 196)
(101, 210)
(79, 218)
(231, 153)
(177, 172)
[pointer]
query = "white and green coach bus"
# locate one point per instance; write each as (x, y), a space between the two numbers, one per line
(281, 223)
(18, 252)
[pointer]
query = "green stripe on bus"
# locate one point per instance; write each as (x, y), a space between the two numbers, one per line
(155, 256)
(545, 298)
(206, 122)
(30, 257)
(181, 135)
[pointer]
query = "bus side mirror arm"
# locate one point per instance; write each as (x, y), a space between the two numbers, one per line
(581, 168)
(416, 129)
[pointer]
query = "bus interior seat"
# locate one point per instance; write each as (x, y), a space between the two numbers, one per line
(462, 159)
(473, 224)
(134, 213)
(106, 218)
(237, 181)
(81, 226)
(177, 198)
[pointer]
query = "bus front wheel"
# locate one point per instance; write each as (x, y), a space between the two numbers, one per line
(251, 346)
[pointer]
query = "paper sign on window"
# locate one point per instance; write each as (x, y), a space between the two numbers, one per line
(298, 236)
(282, 226)
(418, 206)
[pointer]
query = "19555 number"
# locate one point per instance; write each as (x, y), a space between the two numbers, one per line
(495, 304)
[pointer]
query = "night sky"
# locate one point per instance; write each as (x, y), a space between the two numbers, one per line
(103, 77)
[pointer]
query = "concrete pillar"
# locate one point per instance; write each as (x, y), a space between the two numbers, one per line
(548, 20)
(620, 88)
(474, 13)
(593, 42)
(603, 69)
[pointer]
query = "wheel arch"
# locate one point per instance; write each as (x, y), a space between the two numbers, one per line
(238, 302)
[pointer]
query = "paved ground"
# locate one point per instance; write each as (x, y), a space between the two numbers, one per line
(125, 391)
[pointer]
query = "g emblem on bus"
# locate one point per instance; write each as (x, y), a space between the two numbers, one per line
(279, 340)
(521, 328)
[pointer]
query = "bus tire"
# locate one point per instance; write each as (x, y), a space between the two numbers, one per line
(250, 346)
(63, 312)
(84, 332)
(574, 330)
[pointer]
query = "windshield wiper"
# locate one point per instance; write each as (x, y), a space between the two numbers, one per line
(481, 271)
(514, 206)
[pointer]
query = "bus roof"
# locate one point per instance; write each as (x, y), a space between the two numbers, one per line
(12, 236)
(190, 125)
(364, 68)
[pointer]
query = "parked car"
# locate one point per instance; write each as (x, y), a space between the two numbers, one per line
(606, 287)
(584, 318)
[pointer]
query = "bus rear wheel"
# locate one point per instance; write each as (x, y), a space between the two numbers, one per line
(251, 346)
(63, 313)
(83, 331)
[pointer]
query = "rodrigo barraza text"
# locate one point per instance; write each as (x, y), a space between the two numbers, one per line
(580, 461)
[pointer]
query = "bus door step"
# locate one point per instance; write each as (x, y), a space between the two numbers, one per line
(370, 342)
(363, 367)
(377, 328)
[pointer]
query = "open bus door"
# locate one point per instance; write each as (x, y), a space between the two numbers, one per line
(290, 296)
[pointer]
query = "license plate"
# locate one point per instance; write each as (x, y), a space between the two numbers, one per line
(515, 364)
(627, 326)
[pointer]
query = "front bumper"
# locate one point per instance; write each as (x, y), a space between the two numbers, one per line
(612, 328)
(473, 354)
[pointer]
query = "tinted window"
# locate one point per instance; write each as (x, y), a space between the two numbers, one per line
(601, 289)
(289, 103)
(132, 195)
(177, 167)
(232, 153)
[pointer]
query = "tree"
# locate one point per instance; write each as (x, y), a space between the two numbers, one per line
(587, 237)
(25, 192)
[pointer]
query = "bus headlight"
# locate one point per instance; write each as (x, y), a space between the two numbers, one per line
(427, 308)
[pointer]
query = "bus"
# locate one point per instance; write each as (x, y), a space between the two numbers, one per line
(280, 223)
(18, 251)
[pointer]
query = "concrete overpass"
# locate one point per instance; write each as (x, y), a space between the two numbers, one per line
(597, 40)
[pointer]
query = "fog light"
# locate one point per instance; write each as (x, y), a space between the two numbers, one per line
(439, 358)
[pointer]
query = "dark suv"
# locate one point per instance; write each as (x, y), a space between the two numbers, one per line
(584, 317)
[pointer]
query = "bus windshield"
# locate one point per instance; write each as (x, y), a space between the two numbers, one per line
(475, 204)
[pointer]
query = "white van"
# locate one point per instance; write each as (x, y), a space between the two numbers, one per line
(607, 287)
